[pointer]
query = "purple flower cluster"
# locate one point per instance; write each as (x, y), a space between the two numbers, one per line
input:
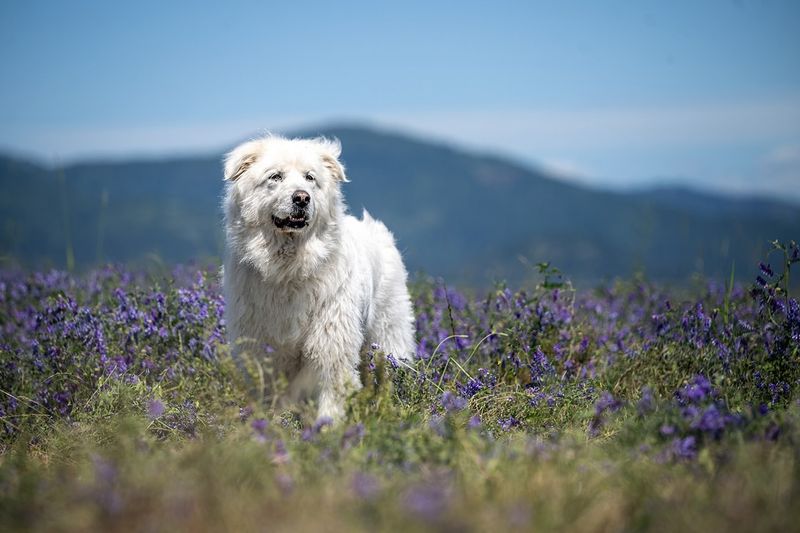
(696, 391)
(453, 403)
(605, 404)
(700, 417)
(65, 337)
(506, 358)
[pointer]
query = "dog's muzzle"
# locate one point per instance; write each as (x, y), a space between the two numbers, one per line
(298, 219)
(299, 215)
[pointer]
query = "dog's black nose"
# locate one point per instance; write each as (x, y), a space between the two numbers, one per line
(300, 198)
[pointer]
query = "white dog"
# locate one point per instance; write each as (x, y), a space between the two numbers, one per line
(304, 278)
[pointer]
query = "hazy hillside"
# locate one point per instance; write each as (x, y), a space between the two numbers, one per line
(467, 217)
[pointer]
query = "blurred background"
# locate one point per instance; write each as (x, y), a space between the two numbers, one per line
(610, 138)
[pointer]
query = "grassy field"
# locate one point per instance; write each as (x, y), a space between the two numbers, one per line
(628, 407)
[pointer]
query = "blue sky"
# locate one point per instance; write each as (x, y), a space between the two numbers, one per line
(614, 93)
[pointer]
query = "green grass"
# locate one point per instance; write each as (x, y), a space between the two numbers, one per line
(121, 472)
(538, 450)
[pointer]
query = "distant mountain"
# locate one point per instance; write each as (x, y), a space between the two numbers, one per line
(468, 217)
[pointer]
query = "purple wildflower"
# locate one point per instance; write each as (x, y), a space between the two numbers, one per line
(353, 435)
(427, 501)
(155, 408)
(321, 423)
(437, 425)
(685, 448)
(696, 391)
(667, 430)
(259, 425)
(772, 432)
(452, 403)
(507, 423)
(646, 402)
(473, 387)
(606, 402)
(711, 421)
(365, 486)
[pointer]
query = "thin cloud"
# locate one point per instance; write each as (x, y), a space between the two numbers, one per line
(780, 170)
(718, 146)
(611, 127)
(566, 170)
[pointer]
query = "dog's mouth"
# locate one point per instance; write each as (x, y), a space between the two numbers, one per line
(293, 221)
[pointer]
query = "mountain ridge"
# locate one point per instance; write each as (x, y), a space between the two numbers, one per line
(463, 215)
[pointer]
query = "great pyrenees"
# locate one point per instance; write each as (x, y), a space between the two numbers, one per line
(307, 285)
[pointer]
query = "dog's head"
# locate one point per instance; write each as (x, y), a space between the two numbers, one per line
(287, 185)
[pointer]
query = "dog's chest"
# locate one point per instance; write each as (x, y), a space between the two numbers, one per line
(285, 313)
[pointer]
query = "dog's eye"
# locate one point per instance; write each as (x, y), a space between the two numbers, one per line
(310, 176)
(275, 176)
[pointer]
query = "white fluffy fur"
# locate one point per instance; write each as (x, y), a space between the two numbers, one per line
(317, 295)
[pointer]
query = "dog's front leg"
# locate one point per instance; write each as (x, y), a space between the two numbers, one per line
(332, 354)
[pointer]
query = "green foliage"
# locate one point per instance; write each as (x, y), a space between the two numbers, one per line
(628, 407)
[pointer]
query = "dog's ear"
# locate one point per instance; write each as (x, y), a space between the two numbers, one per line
(241, 158)
(331, 150)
